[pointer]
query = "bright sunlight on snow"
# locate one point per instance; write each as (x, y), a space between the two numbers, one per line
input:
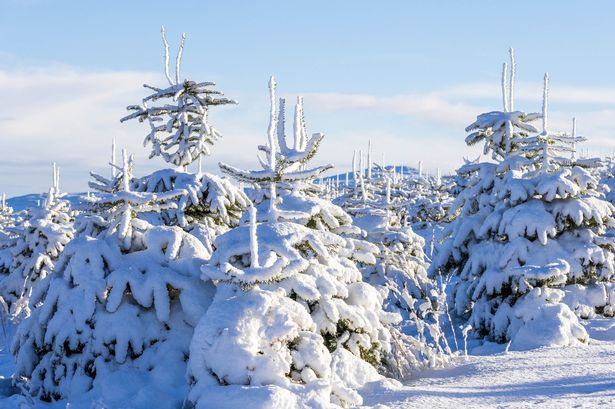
(176, 281)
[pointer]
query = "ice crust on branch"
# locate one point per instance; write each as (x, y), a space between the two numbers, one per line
(283, 165)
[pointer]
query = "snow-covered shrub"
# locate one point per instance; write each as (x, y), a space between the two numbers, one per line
(527, 226)
(128, 297)
(290, 296)
(36, 245)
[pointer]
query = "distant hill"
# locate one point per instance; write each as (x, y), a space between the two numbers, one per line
(400, 169)
(23, 202)
(19, 203)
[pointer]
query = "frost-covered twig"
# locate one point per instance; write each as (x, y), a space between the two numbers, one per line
(505, 86)
(513, 69)
(253, 239)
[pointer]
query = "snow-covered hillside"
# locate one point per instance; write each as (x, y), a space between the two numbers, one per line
(19, 203)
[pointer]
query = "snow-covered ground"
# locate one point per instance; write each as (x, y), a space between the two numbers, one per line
(490, 377)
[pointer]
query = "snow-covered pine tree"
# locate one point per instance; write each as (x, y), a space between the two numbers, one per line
(427, 208)
(605, 172)
(6, 217)
(528, 226)
(500, 130)
(419, 200)
(292, 316)
(400, 272)
(35, 247)
(607, 177)
(179, 129)
(284, 166)
(7, 223)
(180, 133)
(584, 218)
(124, 300)
(208, 205)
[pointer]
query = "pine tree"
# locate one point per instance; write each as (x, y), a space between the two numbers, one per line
(528, 226)
(400, 271)
(501, 130)
(292, 279)
(284, 166)
(206, 205)
(7, 237)
(127, 297)
(6, 218)
(429, 204)
(38, 241)
(7, 222)
(179, 129)
(180, 133)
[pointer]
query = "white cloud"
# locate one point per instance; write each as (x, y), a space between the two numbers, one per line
(451, 110)
(428, 106)
(69, 116)
(532, 91)
(64, 115)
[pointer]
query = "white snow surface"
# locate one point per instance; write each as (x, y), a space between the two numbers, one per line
(570, 377)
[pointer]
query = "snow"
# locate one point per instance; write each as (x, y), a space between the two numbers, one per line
(578, 376)
(489, 377)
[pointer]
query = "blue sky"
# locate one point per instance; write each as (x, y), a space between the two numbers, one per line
(409, 75)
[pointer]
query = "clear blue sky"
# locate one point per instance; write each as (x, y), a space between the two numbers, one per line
(407, 74)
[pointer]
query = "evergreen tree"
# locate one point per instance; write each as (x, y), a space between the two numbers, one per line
(527, 226)
(429, 205)
(6, 218)
(206, 205)
(35, 247)
(179, 129)
(7, 223)
(501, 130)
(293, 280)
(400, 271)
(180, 133)
(127, 297)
